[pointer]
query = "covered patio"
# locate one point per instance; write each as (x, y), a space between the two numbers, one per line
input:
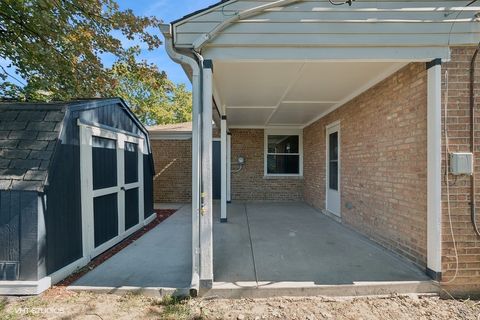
(265, 249)
(324, 105)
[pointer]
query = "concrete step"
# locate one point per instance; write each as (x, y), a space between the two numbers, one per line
(273, 289)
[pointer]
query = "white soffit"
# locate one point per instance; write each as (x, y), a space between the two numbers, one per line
(255, 117)
(265, 93)
(298, 113)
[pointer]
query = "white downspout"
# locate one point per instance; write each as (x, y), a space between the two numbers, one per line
(200, 42)
(196, 136)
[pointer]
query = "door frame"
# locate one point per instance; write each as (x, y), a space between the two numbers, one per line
(329, 129)
(87, 132)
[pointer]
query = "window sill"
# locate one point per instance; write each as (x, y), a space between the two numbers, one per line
(283, 177)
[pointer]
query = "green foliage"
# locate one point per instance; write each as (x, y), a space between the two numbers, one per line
(56, 49)
(156, 99)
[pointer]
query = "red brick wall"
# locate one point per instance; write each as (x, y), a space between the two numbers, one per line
(458, 126)
(249, 183)
(173, 166)
(383, 162)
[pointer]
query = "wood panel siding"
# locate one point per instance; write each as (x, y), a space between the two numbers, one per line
(319, 24)
(18, 234)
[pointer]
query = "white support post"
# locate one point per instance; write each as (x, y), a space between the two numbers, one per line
(229, 167)
(196, 158)
(434, 169)
(223, 168)
(206, 220)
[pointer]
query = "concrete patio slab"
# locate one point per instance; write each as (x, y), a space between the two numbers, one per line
(265, 249)
(292, 242)
(160, 259)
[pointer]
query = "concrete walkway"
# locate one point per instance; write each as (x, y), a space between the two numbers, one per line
(292, 242)
(159, 259)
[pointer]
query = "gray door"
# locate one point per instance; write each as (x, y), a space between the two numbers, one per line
(216, 173)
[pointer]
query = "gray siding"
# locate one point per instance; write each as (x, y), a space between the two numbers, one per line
(19, 235)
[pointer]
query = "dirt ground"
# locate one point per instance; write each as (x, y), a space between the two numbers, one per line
(58, 303)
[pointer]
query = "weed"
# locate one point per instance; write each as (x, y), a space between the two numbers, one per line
(175, 308)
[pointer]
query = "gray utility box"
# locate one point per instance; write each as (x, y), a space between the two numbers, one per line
(461, 163)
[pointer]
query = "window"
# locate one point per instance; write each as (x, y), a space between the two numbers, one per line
(283, 152)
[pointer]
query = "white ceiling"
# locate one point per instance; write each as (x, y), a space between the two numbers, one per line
(262, 94)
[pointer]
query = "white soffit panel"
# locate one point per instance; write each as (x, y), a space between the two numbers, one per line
(298, 113)
(253, 84)
(324, 81)
(248, 116)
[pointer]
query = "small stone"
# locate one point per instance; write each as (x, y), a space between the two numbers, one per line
(240, 317)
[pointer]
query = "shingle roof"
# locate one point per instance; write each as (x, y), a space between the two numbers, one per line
(28, 135)
(176, 127)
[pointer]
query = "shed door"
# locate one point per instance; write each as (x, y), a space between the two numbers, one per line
(112, 187)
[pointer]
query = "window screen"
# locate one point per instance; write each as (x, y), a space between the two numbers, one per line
(283, 154)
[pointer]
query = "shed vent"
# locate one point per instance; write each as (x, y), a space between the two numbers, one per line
(9, 270)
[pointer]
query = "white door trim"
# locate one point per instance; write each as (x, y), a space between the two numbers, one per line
(333, 208)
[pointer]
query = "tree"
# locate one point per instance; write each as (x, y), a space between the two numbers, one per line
(156, 99)
(56, 49)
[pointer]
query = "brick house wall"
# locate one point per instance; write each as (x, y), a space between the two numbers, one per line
(458, 129)
(173, 166)
(250, 183)
(383, 162)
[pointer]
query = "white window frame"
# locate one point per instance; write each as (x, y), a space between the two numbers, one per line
(286, 132)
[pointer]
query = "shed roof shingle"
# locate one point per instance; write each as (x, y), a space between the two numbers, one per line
(28, 134)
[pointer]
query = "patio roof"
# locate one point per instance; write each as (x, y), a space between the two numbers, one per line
(291, 93)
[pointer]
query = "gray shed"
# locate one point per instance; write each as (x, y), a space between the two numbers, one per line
(75, 179)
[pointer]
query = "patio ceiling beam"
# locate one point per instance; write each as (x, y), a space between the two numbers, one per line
(203, 39)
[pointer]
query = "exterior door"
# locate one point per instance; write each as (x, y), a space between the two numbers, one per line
(333, 169)
(112, 187)
(216, 170)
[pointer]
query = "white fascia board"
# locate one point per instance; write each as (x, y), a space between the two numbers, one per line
(327, 54)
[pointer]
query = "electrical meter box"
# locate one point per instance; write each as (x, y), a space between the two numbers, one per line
(461, 163)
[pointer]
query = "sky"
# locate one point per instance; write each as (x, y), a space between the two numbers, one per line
(168, 11)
